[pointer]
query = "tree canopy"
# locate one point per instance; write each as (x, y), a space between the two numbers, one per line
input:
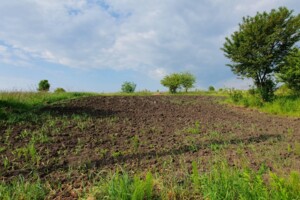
(187, 80)
(177, 80)
(128, 87)
(260, 46)
(44, 86)
(289, 72)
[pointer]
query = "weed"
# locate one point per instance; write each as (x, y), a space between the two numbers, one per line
(285, 188)
(2, 149)
(6, 162)
(122, 186)
(116, 154)
(297, 148)
(7, 135)
(24, 133)
(136, 142)
(19, 189)
(195, 177)
(214, 135)
(196, 129)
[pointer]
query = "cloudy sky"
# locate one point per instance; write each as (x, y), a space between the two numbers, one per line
(96, 45)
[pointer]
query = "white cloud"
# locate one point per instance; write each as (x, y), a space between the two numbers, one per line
(157, 73)
(154, 37)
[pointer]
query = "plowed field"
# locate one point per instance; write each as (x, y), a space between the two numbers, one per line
(73, 140)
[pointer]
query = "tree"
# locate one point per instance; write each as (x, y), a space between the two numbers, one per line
(260, 45)
(128, 87)
(172, 81)
(289, 72)
(44, 86)
(187, 80)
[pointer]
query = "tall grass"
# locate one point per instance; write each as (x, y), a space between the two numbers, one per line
(224, 182)
(221, 182)
(15, 103)
(20, 189)
(122, 186)
(286, 105)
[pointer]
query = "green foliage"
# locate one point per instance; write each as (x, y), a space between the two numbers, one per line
(187, 80)
(289, 72)
(172, 81)
(177, 80)
(59, 90)
(14, 106)
(267, 91)
(235, 95)
(260, 46)
(211, 88)
(196, 129)
(285, 188)
(19, 189)
(128, 87)
(284, 90)
(121, 186)
(224, 182)
(281, 104)
(44, 86)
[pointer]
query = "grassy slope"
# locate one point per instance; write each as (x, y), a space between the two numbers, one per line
(285, 105)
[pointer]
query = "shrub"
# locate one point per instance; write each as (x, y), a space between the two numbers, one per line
(44, 86)
(236, 96)
(211, 88)
(128, 87)
(59, 90)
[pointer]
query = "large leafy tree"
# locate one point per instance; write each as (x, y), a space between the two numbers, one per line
(290, 70)
(260, 46)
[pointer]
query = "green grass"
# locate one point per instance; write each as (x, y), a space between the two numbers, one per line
(224, 182)
(14, 104)
(285, 105)
(122, 186)
(221, 182)
(20, 189)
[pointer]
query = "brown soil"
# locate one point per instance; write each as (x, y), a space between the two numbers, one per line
(149, 133)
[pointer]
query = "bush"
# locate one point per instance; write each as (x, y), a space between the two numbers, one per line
(236, 96)
(44, 86)
(128, 87)
(266, 91)
(59, 90)
(211, 88)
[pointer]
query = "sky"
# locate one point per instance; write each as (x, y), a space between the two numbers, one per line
(96, 45)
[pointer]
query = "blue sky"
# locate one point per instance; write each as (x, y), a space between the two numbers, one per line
(96, 45)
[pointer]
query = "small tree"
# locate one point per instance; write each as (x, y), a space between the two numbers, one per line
(211, 88)
(128, 87)
(289, 72)
(172, 81)
(187, 80)
(44, 86)
(260, 46)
